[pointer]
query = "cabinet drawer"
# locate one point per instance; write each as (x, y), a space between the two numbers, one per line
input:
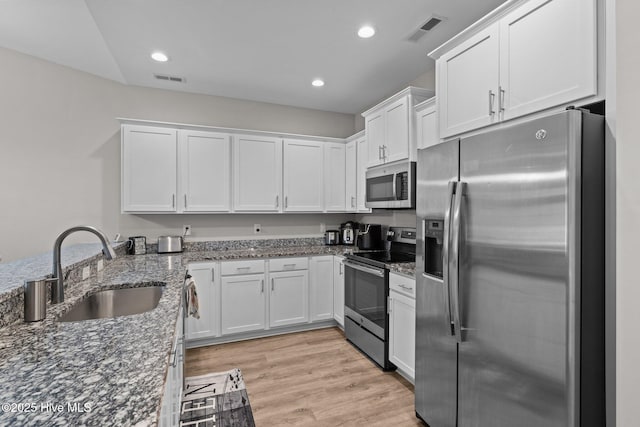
(231, 268)
(402, 284)
(286, 264)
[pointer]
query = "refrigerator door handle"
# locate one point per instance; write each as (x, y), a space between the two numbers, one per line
(446, 240)
(454, 261)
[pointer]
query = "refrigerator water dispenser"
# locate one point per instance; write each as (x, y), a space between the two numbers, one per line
(433, 236)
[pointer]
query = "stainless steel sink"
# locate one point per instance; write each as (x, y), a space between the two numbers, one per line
(114, 303)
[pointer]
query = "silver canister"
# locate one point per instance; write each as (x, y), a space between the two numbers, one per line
(35, 300)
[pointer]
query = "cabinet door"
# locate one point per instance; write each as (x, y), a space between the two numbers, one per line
(547, 55)
(468, 84)
(242, 303)
(303, 176)
(374, 129)
(402, 332)
(338, 290)
(427, 126)
(206, 171)
(149, 169)
(396, 146)
(289, 298)
(257, 174)
(351, 173)
(321, 286)
(361, 169)
(334, 177)
(207, 286)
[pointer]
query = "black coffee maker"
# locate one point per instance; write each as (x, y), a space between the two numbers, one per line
(370, 236)
(348, 233)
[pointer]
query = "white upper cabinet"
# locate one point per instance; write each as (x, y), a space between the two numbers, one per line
(205, 159)
(427, 124)
(547, 55)
(172, 168)
(523, 58)
(257, 162)
(361, 169)
(351, 176)
(303, 176)
(334, 176)
(390, 127)
(374, 125)
(149, 169)
(397, 130)
(468, 84)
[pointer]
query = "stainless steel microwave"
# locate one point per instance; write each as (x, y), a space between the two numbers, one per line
(391, 186)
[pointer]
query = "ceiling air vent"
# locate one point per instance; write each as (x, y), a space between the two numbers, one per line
(170, 78)
(427, 26)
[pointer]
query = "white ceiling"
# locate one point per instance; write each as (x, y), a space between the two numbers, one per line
(262, 50)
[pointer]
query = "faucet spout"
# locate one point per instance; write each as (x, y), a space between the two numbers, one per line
(57, 288)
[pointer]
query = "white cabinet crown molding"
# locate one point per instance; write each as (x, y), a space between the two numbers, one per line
(232, 131)
(482, 23)
(411, 90)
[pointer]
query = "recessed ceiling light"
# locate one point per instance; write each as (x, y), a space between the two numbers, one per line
(366, 31)
(318, 82)
(159, 56)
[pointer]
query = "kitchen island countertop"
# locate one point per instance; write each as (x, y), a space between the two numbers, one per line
(108, 371)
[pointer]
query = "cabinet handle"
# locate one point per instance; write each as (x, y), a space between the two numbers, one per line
(243, 269)
(500, 99)
(353, 202)
(185, 201)
(173, 200)
(407, 288)
(491, 99)
(286, 201)
(262, 286)
(389, 305)
(213, 274)
(384, 152)
(379, 152)
(272, 287)
(341, 265)
(277, 201)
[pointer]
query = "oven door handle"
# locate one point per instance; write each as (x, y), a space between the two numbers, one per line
(374, 271)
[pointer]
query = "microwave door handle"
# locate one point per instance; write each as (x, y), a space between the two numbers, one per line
(395, 190)
(445, 255)
(454, 261)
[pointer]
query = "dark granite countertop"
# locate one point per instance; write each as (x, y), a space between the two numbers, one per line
(112, 368)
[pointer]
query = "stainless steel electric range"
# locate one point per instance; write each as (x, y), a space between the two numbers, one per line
(366, 294)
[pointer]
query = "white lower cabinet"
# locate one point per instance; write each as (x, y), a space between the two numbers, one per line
(288, 299)
(338, 290)
(207, 278)
(243, 299)
(170, 409)
(321, 285)
(402, 323)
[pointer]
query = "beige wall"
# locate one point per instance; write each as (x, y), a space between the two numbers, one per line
(60, 161)
(628, 214)
(425, 80)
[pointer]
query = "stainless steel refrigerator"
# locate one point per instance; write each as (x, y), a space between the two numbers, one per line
(510, 271)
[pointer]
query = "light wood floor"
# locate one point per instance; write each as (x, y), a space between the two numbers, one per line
(313, 378)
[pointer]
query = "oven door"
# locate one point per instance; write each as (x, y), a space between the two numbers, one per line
(365, 296)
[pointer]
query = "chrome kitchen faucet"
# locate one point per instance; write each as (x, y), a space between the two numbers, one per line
(57, 287)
